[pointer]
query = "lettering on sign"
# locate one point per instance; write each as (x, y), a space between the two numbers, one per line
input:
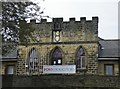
(59, 69)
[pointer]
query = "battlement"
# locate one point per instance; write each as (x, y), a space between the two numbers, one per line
(59, 20)
(69, 31)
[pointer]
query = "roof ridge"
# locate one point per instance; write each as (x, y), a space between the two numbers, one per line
(110, 40)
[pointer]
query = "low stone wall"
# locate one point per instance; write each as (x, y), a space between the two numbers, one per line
(62, 81)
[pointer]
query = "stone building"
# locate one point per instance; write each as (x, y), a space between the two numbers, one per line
(109, 57)
(62, 43)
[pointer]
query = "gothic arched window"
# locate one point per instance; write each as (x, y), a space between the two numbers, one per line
(57, 57)
(80, 61)
(33, 61)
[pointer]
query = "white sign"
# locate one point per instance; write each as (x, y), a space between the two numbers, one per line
(59, 69)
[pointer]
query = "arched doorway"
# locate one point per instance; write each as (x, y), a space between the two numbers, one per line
(56, 57)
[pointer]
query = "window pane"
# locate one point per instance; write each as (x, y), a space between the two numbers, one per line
(33, 60)
(109, 69)
(80, 52)
(31, 64)
(10, 70)
(57, 33)
(80, 62)
(54, 62)
(57, 54)
(59, 61)
(57, 38)
(83, 61)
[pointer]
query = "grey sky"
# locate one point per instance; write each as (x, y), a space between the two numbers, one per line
(106, 10)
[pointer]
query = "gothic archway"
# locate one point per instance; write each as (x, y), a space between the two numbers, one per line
(33, 61)
(81, 60)
(56, 56)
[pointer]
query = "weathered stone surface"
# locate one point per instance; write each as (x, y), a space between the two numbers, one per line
(69, 55)
(63, 81)
(73, 34)
(83, 30)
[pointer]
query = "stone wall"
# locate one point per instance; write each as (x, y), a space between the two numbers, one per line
(83, 30)
(62, 81)
(69, 55)
(73, 34)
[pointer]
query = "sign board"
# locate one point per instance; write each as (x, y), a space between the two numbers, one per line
(59, 69)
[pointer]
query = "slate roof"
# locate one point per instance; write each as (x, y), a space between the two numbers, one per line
(109, 48)
(12, 55)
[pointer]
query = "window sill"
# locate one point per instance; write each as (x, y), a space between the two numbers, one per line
(81, 69)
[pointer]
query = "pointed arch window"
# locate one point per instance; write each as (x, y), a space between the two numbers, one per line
(57, 57)
(81, 60)
(33, 61)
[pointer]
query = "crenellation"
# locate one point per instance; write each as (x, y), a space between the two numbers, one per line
(83, 19)
(95, 20)
(72, 19)
(60, 19)
(57, 20)
(43, 20)
(33, 21)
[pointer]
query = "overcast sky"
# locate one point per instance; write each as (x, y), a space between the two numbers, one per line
(106, 10)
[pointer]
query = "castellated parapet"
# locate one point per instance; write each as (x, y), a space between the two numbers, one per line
(95, 19)
(70, 31)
